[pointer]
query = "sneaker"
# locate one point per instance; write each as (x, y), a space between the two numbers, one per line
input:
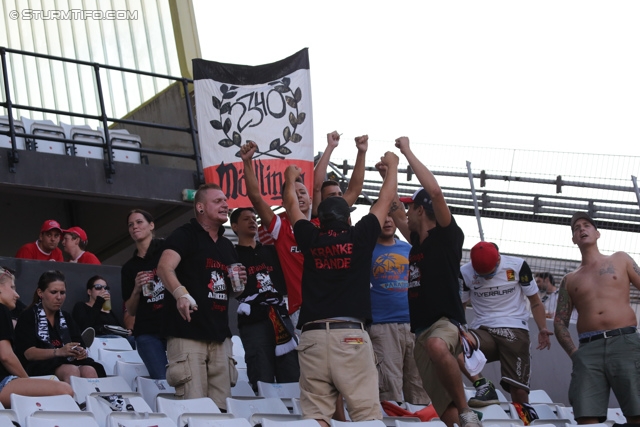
(485, 394)
(469, 419)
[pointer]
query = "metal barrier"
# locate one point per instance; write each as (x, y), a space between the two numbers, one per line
(109, 166)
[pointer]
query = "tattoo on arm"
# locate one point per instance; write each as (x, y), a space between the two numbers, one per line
(635, 267)
(561, 321)
(394, 207)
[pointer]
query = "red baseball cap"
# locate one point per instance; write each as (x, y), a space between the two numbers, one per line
(484, 257)
(51, 224)
(79, 231)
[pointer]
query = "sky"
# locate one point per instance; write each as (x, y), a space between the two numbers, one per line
(543, 75)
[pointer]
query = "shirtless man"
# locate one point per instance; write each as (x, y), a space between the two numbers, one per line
(609, 350)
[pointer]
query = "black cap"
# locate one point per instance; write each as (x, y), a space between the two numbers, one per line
(581, 215)
(334, 209)
(420, 198)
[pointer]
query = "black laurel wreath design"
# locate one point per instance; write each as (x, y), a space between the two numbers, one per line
(296, 118)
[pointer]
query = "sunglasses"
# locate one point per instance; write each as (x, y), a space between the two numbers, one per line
(101, 287)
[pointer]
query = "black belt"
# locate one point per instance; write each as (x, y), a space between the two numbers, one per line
(312, 326)
(609, 334)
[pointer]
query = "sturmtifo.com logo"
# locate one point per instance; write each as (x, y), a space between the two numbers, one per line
(73, 14)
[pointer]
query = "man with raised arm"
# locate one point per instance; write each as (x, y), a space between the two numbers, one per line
(609, 353)
(435, 308)
(323, 189)
(335, 351)
(280, 229)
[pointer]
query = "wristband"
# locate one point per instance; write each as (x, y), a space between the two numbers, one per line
(54, 352)
(181, 290)
(192, 302)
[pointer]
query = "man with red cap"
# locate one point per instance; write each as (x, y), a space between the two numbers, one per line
(46, 247)
(608, 356)
(498, 287)
(74, 242)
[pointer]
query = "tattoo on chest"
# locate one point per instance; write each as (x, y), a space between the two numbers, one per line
(607, 270)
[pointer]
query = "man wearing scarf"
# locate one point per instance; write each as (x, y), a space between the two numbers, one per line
(265, 328)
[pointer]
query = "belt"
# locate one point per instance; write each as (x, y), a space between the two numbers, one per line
(312, 326)
(609, 334)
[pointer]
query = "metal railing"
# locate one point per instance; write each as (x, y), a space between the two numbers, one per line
(102, 117)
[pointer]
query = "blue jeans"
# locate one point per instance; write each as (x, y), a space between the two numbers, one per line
(152, 348)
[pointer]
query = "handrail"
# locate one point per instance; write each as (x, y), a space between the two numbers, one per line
(110, 167)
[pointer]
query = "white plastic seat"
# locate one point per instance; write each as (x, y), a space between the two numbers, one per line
(83, 387)
(48, 128)
(242, 389)
(130, 371)
(5, 140)
(616, 415)
(66, 419)
(284, 391)
(108, 358)
(217, 420)
(174, 408)
(550, 421)
(502, 423)
(245, 408)
(242, 374)
(122, 138)
(102, 405)
(493, 412)
(150, 389)
(296, 423)
(434, 423)
(8, 417)
(27, 405)
(238, 348)
(372, 423)
(133, 419)
(46, 377)
(565, 412)
(297, 409)
(84, 133)
(539, 396)
(116, 343)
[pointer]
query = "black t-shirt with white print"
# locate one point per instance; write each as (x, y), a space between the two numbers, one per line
(203, 271)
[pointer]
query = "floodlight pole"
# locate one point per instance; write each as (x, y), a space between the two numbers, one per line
(475, 201)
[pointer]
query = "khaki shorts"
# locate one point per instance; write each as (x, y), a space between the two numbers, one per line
(512, 347)
(398, 375)
(201, 369)
(338, 361)
(448, 332)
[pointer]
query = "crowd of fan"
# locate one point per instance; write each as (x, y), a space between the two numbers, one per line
(366, 318)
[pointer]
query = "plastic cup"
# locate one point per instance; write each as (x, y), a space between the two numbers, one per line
(234, 274)
(107, 305)
(149, 287)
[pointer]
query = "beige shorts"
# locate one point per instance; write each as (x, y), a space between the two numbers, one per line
(448, 332)
(338, 361)
(201, 369)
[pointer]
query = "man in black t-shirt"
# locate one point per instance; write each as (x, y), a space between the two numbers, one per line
(434, 292)
(265, 328)
(335, 351)
(193, 269)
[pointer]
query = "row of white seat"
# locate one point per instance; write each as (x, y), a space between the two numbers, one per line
(77, 133)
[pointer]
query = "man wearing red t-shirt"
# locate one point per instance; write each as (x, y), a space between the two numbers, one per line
(74, 242)
(46, 247)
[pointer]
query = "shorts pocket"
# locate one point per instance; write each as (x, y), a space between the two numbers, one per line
(383, 382)
(179, 371)
(233, 372)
